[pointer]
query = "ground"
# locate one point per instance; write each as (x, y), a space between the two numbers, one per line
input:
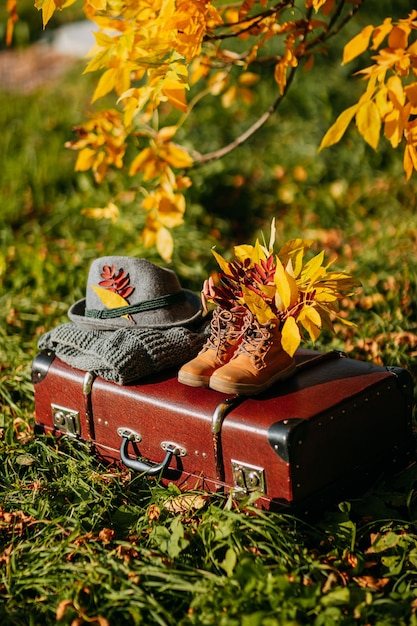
(27, 69)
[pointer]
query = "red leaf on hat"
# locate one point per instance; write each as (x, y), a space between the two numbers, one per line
(125, 293)
(119, 276)
(116, 282)
(121, 284)
(108, 271)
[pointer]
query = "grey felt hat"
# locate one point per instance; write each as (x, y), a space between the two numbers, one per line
(128, 292)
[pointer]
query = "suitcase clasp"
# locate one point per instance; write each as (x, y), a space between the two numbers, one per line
(247, 478)
(66, 420)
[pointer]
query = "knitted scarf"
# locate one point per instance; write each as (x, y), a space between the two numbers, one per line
(124, 355)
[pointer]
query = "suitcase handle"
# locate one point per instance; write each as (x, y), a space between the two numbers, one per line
(171, 449)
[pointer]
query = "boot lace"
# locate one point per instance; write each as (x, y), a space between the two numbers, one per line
(226, 330)
(256, 342)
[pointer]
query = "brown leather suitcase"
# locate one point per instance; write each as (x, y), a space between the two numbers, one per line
(336, 422)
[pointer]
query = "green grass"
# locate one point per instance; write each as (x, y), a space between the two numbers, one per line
(82, 543)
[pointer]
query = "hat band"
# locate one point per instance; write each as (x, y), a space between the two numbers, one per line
(139, 307)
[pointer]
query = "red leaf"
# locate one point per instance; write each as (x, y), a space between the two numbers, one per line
(119, 276)
(125, 293)
(108, 271)
(121, 284)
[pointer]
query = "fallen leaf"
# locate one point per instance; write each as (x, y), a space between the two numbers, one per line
(370, 582)
(185, 503)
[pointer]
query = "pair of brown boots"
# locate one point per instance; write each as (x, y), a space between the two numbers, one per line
(241, 356)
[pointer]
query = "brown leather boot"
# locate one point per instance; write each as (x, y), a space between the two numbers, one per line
(258, 362)
(227, 329)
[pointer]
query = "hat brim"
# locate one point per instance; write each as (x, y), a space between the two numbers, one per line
(184, 314)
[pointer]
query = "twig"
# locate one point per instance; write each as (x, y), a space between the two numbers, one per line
(202, 159)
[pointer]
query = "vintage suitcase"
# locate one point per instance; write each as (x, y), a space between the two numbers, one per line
(338, 420)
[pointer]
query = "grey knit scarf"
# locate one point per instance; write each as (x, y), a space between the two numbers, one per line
(124, 355)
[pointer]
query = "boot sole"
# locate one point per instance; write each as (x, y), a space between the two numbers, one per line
(193, 380)
(244, 389)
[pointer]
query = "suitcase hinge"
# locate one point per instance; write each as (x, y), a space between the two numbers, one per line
(88, 383)
(216, 427)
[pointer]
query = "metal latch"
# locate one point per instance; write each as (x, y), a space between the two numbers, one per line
(66, 420)
(248, 477)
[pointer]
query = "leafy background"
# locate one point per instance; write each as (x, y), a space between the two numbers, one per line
(83, 543)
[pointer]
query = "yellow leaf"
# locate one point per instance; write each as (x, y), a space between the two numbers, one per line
(148, 237)
(310, 318)
(246, 95)
(381, 32)
(229, 97)
(110, 299)
(398, 37)
(248, 79)
(218, 83)
(290, 336)
(287, 291)
(325, 295)
(100, 60)
(411, 92)
(105, 84)
(164, 244)
(272, 236)
(295, 250)
(199, 69)
(393, 127)
(139, 162)
(338, 129)
(313, 269)
(244, 251)
(48, 9)
(410, 160)
(382, 102)
(175, 155)
(85, 159)
(224, 265)
(171, 209)
(175, 94)
(368, 122)
(317, 4)
(98, 5)
(110, 212)
(254, 253)
(166, 133)
(396, 91)
(357, 45)
(412, 49)
(369, 92)
(257, 306)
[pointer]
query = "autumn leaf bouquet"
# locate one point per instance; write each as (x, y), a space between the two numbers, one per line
(301, 296)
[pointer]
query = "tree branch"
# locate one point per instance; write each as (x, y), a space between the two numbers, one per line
(333, 28)
(202, 159)
(253, 21)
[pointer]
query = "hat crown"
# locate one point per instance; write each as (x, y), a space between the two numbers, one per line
(138, 280)
(128, 291)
